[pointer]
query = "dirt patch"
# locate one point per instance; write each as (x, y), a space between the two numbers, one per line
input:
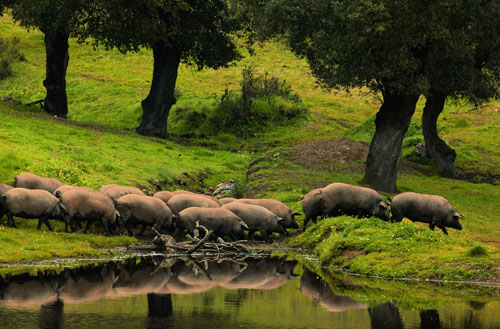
(341, 154)
(336, 154)
(324, 117)
(477, 177)
(352, 253)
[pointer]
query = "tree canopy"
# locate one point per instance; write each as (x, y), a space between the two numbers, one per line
(400, 48)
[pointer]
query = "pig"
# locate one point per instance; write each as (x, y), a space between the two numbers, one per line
(145, 210)
(340, 198)
(167, 195)
(88, 206)
(65, 188)
(115, 191)
(182, 201)
(257, 218)
(312, 206)
(164, 195)
(193, 193)
(432, 209)
(277, 207)
(220, 220)
(224, 201)
(4, 188)
(35, 182)
(31, 204)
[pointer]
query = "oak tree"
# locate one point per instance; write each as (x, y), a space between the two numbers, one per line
(400, 49)
(57, 19)
(197, 32)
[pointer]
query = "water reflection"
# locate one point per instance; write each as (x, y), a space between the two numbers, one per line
(156, 292)
(315, 288)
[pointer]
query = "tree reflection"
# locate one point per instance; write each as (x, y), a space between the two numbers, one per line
(429, 319)
(51, 315)
(160, 309)
(385, 316)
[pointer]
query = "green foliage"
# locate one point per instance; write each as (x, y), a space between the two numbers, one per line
(264, 101)
(477, 251)
(239, 189)
(9, 53)
(67, 171)
(197, 31)
(47, 15)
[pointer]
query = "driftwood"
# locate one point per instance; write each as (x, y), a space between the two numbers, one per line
(203, 245)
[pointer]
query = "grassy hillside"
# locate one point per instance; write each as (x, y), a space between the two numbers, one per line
(97, 145)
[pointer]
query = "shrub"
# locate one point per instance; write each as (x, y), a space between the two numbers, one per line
(68, 172)
(477, 251)
(9, 53)
(263, 101)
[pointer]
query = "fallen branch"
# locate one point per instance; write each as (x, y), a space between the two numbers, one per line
(200, 243)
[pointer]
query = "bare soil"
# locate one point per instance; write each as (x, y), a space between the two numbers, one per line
(341, 154)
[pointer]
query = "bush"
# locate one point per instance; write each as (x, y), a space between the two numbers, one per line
(68, 172)
(264, 101)
(477, 251)
(9, 53)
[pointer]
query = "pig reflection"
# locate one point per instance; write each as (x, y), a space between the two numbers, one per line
(254, 274)
(263, 274)
(138, 279)
(27, 291)
(188, 280)
(83, 285)
(314, 288)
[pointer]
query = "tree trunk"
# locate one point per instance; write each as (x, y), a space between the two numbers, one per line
(57, 58)
(435, 147)
(391, 124)
(156, 106)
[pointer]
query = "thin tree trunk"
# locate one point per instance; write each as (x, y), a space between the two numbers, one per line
(57, 58)
(391, 124)
(156, 107)
(435, 147)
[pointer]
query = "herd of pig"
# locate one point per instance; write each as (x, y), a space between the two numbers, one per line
(117, 206)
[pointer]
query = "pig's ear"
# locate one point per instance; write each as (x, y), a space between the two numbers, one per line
(457, 215)
(383, 205)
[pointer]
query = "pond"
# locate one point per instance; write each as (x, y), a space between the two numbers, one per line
(159, 292)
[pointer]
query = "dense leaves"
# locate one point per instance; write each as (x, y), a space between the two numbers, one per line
(199, 29)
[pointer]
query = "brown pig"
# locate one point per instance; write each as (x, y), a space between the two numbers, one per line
(115, 191)
(279, 208)
(4, 188)
(312, 206)
(35, 182)
(65, 188)
(88, 206)
(432, 209)
(31, 204)
(182, 201)
(220, 220)
(340, 198)
(145, 210)
(257, 218)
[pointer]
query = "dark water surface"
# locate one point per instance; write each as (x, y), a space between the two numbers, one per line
(155, 292)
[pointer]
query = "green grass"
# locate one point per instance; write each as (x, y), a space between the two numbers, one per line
(27, 244)
(98, 145)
